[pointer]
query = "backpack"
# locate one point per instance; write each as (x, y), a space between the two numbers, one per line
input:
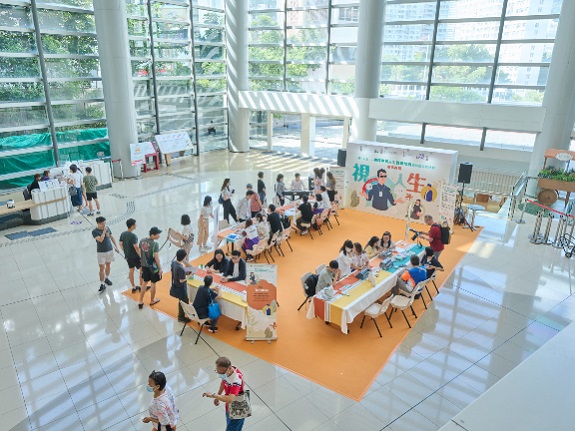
(445, 234)
(310, 284)
(220, 199)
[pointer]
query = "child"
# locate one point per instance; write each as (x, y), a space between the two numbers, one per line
(185, 239)
(204, 224)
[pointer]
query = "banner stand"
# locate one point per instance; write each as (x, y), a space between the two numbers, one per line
(262, 302)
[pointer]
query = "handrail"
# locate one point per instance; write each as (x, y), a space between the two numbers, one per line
(519, 190)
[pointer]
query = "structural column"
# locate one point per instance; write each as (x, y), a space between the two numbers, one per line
(270, 129)
(307, 135)
(114, 51)
(368, 66)
(237, 54)
(559, 99)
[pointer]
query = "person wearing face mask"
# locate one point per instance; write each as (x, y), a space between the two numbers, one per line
(163, 413)
(231, 386)
(344, 258)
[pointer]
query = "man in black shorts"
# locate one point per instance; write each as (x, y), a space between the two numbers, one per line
(129, 244)
(90, 182)
(151, 266)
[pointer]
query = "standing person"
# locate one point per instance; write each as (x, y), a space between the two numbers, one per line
(330, 186)
(255, 202)
(204, 223)
(205, 297)
(232, 385)
(275, 222)
(104, 240)
(261, 188)
(433, 236)
(90, 182)
(344, 258)
(179, 285)
(226, 201)
(297, 185)
(318, 180)
(187, 233)
(243, 209)
(129, 244)
(151, 266)
(164, 414)
(306, 212)
(279, 189)
(75, 179)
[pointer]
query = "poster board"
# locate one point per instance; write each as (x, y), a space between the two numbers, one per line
(447, 203)
(139, 151)
(262, 302)
(409, 176)
(174, 142)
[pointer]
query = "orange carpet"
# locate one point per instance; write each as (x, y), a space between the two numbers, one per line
(347, 364)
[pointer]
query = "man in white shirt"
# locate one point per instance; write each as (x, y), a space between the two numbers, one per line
(297, 185)
(243, 208)
(236, 270)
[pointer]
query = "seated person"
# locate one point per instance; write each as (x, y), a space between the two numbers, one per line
(236, 270)
(45, 176)
(306, 214)
(359, 260)
(409, 278)
(35, 182)
(250, 234)
(275, 222)
(204, 297)
(328, 276)
(344, 258)
(386, 242)
(430, 262)
(262, 227)
(219, 263)
(297, 185)
(318, 205)
(325, 198)
(373, 247)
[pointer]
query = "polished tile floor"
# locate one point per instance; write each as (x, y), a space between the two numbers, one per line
(73, 359)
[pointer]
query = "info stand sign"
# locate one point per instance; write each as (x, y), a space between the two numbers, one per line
(262, 302)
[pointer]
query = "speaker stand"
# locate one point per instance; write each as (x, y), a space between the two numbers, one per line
(465, 222)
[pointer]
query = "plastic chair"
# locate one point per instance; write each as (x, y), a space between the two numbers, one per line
(257, 251)
(325, 218)
(307, 298)
(432, 279)
(271, 245)
(307, 226)
(335, 211)
(319, 269)
(375, 310)
(400, 302)
(191, 314)
(284, 237)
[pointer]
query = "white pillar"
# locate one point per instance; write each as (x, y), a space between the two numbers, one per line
(237, 53)
(114, 52)
(345, 138)
(368, 66)
(559, 99)
(270, 118)
(307, 135)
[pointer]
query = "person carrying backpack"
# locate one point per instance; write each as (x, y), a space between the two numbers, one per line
(434, 236)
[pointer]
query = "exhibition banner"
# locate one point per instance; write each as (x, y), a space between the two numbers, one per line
(262, 302)
(139, 151)
(447, 203)
(392, 179)
(340, 183)
(174, 142)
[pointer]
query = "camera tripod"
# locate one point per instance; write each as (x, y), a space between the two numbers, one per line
(460, 211)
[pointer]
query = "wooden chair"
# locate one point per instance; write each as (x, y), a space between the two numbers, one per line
(257, 251)
(191, 314)
(284, 237)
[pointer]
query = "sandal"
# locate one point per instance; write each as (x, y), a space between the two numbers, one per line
(155, 302)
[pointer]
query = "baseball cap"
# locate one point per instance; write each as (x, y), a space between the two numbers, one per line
(155, 231)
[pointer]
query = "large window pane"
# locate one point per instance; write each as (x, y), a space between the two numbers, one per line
(265, 85)
(403, 33)
(467, 9)
(462, 74)
(404, 73)
(269, 19)
(66, 44)
(473, 53)
(78, 112)
(21, 92)
(526, 76)
(406, 91)
(76, 90)
(72, 68)
(518, 96)
(453, 135)
(17, 42)
(458, 94)
(509, 140)
(407, 52)
(15, 16)
(15, 117)
(66, 21)
(468, 31)
(19, 67)
(526, 53)
(395, 129)
(305, 18)
(530, 29)
(307, 35)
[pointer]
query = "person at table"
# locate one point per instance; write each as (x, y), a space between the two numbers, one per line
(409, 278)
(280, 188)
(203, 298)
(344, 258)
(262, 227)
(386, 243)
(275, 222)
(243, 208)
(318, 204)
(45, 176)
(219, 263)
(250, 234)
(179, 289)
(430, 262)
(328, 276)
(433, 236)
(236, 270)
(255, 202)
(325, 198)
(34, 185)
(359, 260)
(297, 184)
(306, 212)
(373, 247)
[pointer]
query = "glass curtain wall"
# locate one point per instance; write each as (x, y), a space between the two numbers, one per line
(33, 134)
(470, 51)
(178, 66)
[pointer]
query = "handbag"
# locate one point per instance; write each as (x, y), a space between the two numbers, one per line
(241, 406)
(214, 311)
(72, 191)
